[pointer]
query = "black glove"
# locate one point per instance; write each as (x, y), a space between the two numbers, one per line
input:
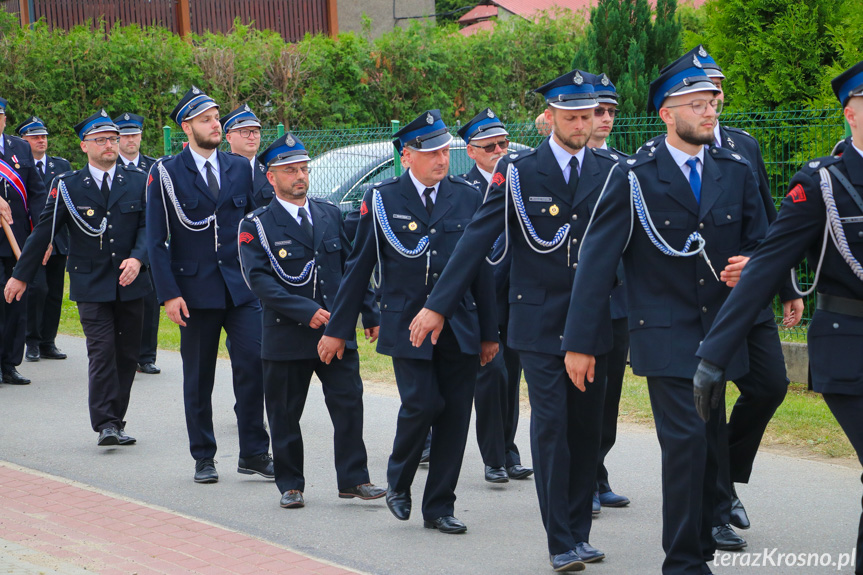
(708, 388)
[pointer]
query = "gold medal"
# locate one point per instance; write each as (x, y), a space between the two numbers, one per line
(412, 226)
(17, 166)
(554, 210)
(90, 212)
(283, 252)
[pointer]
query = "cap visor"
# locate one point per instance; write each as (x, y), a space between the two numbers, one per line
(490, 133)
(574, 104)
(290, 160)
(102, 129)
(606, 100)
(700, 86)
(714, 73)
(435, 143)
(130, 131)
(245, 124)
(36, 132)
(204, 108)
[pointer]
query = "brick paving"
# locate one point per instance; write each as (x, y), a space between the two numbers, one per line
(50, 526)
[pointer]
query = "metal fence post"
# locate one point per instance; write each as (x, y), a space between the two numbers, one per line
(280, 129)
(397, 161)
(166, 138)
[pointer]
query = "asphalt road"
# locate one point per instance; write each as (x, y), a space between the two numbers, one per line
(796, 506)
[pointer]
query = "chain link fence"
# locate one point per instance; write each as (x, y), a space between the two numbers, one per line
(347, 161)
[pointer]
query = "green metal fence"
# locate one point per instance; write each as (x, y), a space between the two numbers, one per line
(346, 161)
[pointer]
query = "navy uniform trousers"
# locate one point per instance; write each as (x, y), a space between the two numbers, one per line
(835, 334)
(671, 303)
(565, 423)
(45, 294)
(203, 268)
(435, 382)
(289, 347)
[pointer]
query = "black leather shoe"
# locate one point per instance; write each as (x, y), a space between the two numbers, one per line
(612, 499)
(726, 539)
(518, 472)
(12, 377)
(292, 499)
(399, 503)
(424, 458)
(108, 436)
(597, 506)
(587, 553)
(32, 353)
(124, 438)
(364, 491)
(446, 524)
(51, 352)
(261, 464)
(739, 518)
(496, 474)
(569, 561)
(205, 471)
(148, 368)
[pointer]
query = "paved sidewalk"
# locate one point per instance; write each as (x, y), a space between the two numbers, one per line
(49, 526)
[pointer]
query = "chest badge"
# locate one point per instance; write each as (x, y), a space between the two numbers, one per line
(283, 253)
(554, 210)
(90, 212)
(412, 226)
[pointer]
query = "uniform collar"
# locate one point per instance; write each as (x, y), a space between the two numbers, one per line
(201, 160)
(98, 174)
(421, 187)
(680, 156)
(859, 151)
(135, 161)
(562, 156)
(486, 175)
(294, 209)
(717, 137)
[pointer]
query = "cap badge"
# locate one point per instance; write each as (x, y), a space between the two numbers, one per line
(246, 108)
(196, 91)
(290, 141)
(50, 164)
(125, 116)
(702, 52)
(554, 210)
(38, 120)
(605, 81)
(104, 114)
(412, 226)
(489, 113)
(429, 119)
(578, 79)
(696, 62)
(283, 253)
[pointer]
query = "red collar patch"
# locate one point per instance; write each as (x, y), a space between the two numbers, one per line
(797, 194)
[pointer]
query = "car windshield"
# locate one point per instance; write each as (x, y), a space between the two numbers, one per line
(331, 170)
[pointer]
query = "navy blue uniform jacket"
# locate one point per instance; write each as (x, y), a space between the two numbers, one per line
(54, 166)
(262, 190)
(405, 289)
(22, 216)
(94, 265)
(540, 284)
(835, 341)
(197, 265)
(672, 300)
(289, 309)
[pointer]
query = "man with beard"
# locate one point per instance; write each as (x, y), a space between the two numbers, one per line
(409, 226)
(131, 130)
(103, 207)
(293, 253)
(243, 133)
(497, 384)
(195, 202)
(45, 294)
(541, 201)
(686, 207)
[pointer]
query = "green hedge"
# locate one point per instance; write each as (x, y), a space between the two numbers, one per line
(319, 82)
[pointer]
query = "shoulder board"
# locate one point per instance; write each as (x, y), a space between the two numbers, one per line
(16, 139)
(609, 155)
(257, 212)
(638, 159)
(387, 182)
(814, 165)
(619, 153)
(323, 201)
(128, 169)
(460, 180)
(738, 131)
(58, 159)
(516, 156)
(651, 144)
(148, 158)
(726, 154)
(71, 173)
(230, 153)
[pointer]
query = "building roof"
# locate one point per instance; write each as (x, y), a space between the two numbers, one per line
(528, 8)
(481, 12)
(472, 29)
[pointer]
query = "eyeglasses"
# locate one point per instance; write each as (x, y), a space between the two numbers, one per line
(700, 106)
(503, 145)
(600, 112)
(247, 133)
(102, 140)
(293, 171)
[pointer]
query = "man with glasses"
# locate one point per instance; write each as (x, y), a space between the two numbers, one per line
(763, 389)
(497, 384)
(541, 201)
(131, 131)
(21, 201)
(243, 132)
(293, 253)
(45, 296)
(694, 207)
(195, 201)
(102, 205)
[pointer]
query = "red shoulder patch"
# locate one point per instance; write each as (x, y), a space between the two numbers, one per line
(797, 194)
(150, 180)
(54, 193)
(364, 209)
(246, 237)
(498, 179)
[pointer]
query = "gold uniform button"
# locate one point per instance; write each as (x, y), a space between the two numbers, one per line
(90, 212)
(412, 226)
(554, 210)
(283, 253)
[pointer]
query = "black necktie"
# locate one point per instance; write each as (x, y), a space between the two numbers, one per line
(132, 165)
(212, 182)
(573, 173)
(40, 165)
(429, 201)
(105, 189)
(305, 223)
